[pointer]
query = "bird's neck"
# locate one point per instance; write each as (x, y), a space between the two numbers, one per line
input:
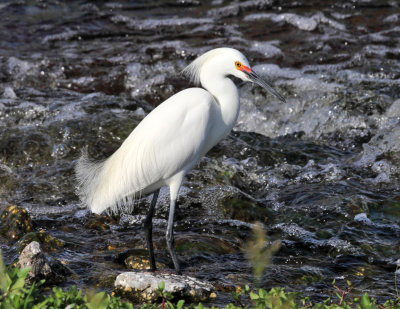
(227, 96)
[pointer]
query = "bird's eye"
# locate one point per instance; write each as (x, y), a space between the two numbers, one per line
(238, 64)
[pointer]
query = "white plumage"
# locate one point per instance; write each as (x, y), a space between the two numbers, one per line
(167, 141)
(170, 140)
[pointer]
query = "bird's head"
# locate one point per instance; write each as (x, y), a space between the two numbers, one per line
(227, 61)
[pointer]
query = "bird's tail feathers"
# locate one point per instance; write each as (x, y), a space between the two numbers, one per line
(97, 191)
(87, 174)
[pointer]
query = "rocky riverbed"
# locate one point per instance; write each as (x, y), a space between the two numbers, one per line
(320, 172)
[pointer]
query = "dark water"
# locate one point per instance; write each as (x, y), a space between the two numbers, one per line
(321, 171)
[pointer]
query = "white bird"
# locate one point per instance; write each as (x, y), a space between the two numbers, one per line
(169, 141)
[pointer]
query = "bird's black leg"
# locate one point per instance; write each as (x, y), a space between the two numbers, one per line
(170, 236)
(148, 228)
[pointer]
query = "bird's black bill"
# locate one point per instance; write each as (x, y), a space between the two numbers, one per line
(258, 80)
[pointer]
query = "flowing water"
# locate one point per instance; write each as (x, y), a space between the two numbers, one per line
(321, 172)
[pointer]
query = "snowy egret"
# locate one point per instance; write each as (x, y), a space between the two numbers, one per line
(169, 141)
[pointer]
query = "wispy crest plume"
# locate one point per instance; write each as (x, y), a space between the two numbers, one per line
(193, 69)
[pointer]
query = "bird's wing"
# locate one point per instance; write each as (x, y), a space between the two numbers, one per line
(169, 140)
(171, 137)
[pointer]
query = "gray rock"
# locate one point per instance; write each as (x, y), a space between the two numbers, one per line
(42, 266)
(143, 286)
(9, 93)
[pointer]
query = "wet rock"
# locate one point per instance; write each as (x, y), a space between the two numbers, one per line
(15, 222)
(9, 93)
(394, 110)
(90, 8)
(267, 50)
(362, 218)
(237, 8)
(227, 11)
(348, 138)
(140, 263)
(65, 35)
(384, 145)
(334, 245)
(48, 242)
(301, 22)
(392, 18)
(42, 266)
(17, 68)
(137, 259)
(298, 21)
(100, 223)
(151, 24)
(204, 244)
(28, 146)
(8, 183)
(143, 286)
(242, 208)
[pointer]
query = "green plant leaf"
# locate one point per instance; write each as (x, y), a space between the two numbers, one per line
(365, 302)
(262, 293)
(180, 304)
(98, 301)
(23, 272)
(18, 284)
(161, 286)
(3, 275)
(254, 296)
(8, 282)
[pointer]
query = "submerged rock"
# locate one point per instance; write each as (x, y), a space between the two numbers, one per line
(15, 222)
(42, 266)
(136, 259)
(143, 286)
(242, 208)
(137, 262)
(100, 223)
(48, 242)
